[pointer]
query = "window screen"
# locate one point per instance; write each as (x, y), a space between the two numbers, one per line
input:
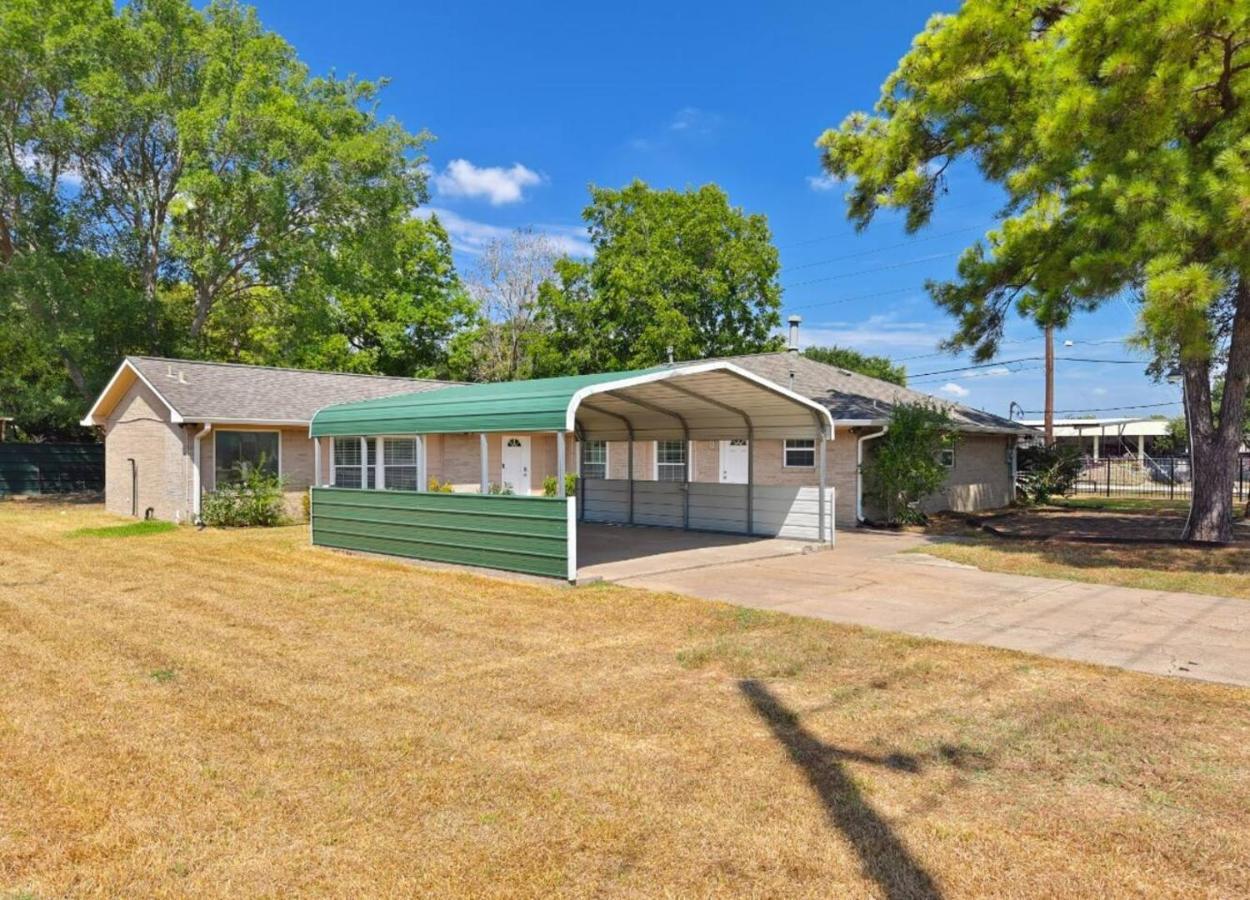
(800, 454)
(399, 456)
(670, 460)
(236, 449)
(595, 459)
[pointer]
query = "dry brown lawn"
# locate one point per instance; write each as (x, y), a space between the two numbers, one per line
(1220, 571)
(236, 713)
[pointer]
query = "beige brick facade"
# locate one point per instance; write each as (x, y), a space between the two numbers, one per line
(139, 429)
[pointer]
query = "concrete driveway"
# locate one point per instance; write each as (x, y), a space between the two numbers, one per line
(867, 579)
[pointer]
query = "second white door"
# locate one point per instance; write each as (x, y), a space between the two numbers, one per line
(733, 462)
(516, 463)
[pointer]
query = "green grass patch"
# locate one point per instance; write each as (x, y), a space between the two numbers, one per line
(130, 529)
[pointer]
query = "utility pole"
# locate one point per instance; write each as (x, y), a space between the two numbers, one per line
(1048, 424)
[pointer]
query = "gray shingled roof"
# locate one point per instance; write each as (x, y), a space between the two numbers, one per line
(218, 391)
(859, 398)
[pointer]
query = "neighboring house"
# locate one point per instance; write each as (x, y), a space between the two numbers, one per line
(184, 424)
(174, 428)
(1099, 437)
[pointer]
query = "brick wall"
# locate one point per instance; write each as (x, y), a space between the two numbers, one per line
(139, 429)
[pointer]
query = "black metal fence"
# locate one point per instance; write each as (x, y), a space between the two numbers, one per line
(1168, 477)
(51, 468)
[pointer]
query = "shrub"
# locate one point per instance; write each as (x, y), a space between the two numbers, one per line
(906, 462)
(254, 498)
(502, 490)
(570, 485)
(439, 487)
(1044, 472)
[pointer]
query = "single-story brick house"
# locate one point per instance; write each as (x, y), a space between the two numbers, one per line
(173, 428)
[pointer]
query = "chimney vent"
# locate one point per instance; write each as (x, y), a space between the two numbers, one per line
(182, 377)
(794, 333)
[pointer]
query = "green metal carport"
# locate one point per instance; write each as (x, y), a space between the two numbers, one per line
(538, 535)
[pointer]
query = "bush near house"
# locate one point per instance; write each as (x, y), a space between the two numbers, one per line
(1046, 472)
(570, 485)
(254, 498)
(906, 465)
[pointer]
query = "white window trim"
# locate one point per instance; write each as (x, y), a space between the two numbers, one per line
(785, 453)
(655, 460)
(607, 457)
(364, 460)
(217, 432)
(379, 478)
(942, 453)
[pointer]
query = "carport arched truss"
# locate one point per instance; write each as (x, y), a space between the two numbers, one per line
(709, 401)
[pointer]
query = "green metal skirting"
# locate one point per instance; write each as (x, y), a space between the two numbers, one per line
(518, 534)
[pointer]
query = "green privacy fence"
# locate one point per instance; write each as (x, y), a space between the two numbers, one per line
(51, 468)
(518, 534)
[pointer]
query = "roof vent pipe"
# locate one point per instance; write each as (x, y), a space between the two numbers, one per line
(794, 333)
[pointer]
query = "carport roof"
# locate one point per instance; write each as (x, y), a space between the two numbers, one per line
(703, 401)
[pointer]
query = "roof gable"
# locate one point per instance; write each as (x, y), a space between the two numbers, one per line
(197, 391)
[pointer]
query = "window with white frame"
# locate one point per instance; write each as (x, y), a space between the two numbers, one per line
(348, 471)
(399, 461)
(800, 453)
(946, 455)
(235, 451)
(670, 460)
(594, 459)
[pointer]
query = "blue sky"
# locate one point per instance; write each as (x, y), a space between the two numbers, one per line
(531, 103)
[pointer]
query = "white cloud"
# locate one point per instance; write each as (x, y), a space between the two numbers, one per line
(954, 390)
(498, 185)
(687, 124)
(822, 182)
(1099, 392)
(470, 236)
(692, 120)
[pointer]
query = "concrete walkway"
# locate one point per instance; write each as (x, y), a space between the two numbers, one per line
(868, 580)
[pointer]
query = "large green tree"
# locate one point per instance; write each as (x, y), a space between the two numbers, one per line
(673, 271)
(175, 180)
(1120, 132)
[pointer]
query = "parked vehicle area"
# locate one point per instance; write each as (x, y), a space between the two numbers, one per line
(185, 711)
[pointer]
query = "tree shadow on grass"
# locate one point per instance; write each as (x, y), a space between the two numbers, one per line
(1232, 560)
(882, 854)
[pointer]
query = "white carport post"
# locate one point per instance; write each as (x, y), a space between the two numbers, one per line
(485, 473)
(820, 516)
(316, 462)
(560, 464)
(422, 475)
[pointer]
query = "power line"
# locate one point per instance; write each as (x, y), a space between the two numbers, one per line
(1106, 408)
(932, 237)
(826, 237)
(1007, 362)
(841, 300)
(897, 265)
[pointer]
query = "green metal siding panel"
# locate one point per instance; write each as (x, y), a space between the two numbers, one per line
(538, 405)
(518, 534)
(51, 468)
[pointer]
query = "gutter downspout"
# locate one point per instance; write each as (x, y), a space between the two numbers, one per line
(197, 480)
(859, 471)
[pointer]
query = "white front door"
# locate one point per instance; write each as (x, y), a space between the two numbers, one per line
(733, 462)
(516, 462)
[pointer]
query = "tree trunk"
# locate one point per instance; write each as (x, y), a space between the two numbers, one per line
(1214, 446)
(203, 305)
